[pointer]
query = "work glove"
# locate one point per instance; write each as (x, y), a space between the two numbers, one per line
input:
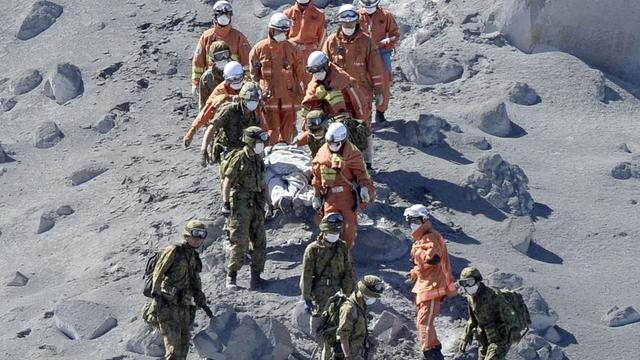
(204, 158)
(308, 306)
(194, 90)
(379, 98)
(321, 92)
(364, 194)
(408, 278)
(384, 42)
(226, 209)
(186, 140)
(316, 203)
(464, 342)
(207, 311)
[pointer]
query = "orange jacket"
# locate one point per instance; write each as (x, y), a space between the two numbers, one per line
(327, 166)
(308, 26)
(357, 56)
(341, 95)
(435, 280)
(237, 42)
(277, 67)
(379, 26)
(219, 95)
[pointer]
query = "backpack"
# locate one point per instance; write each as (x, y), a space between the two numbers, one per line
(357, 129)
(522, 318)
(330, 317)
(147, 277)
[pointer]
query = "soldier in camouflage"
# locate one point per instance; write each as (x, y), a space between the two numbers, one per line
(245, 196)
(489, 315)
(177, 290)
(316, 125)
(352, 332)
(220, 55)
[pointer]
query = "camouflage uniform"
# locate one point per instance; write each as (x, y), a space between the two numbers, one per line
(177, 291)
(209, 80)
(353, 326)
(315, 145)
(489, 312)
(245, 226)
(230, 120)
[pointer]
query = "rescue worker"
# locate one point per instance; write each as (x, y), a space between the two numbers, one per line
(230, 121)
(228, 89)
(220, 55)
(380, 25)
(177, 290)
(353, 332)
(331, 89)
(431, 276)
(340, 180)
(352, 50)
(245, 197)
(326, 267)
(307, 29)
(489, 314)
(222, 30)
(277, 67)
(316, 128)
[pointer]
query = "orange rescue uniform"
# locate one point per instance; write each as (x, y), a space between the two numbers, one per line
(433, 281)
(333, 174)
(277, 67)
(384, 33)
(221, 93)
(307, 31)
(238, 45)
(357, 56)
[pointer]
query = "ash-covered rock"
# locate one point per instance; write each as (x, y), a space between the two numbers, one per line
(424, 68)
(504, 280)
(64, 83)
(48, 135)
(3, 155)
(522, 94)
(535, 347)
(6, 104)
(17, 279)
(86, 173)
(620, 317)
(83, 320)
(42, 15)
(429, 129)
(503, 185)
(626, 170)
(542, 316)
(26, 81)
(491, 117)
(519, 232)
(146, 341)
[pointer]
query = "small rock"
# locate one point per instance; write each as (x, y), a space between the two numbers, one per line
(86, 173)
(8, 104)
(65, 83)
(624, 148)
(429, 129)
(300, 318)
(47, 222)
(262, 12)
(620, 317)
(429, 70)
(378, 245)
(552, 335)
(542, 317)
(64, 210)
(556, 353)
(529, 346)
(390, 328)
(491, 118)
(522, 94)
(482, 144)
(83, 320)
(279, 338)
(146, 341)
(106, 124)
(504, 280)
(24, 333)
(18, 279)
(626, 170)
(26, 81)
(543, 353)
(48, 135)
(42, 15)
(3, 155)
(520, 231)
(208, 345)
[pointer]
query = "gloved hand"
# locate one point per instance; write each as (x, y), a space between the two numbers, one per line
(316, 203)
(186, 140)
(207, 311)
(194, 90)
(464, 342)
(308, 306)
(204, 158)
(408, 278)
(379, 98)
(364, 194)
(226, 209)
(384, 42)
(268, 212)
(321, 92)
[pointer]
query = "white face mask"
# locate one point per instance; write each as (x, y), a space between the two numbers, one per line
(320, 75)
(236, 86)
(317, 136)
(220, 64)
(471, 290)
(258, 148)
(280, 37)
(348, 31)
(335, 147)
(370, 10)
(415, 226)
(223, 20)
(332, 237)
(370, 301)
(251, 105)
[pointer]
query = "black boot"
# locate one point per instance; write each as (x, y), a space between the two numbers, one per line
(231, 283)
(256, 281)
(369, 166)
(380, 117)
(434, 353)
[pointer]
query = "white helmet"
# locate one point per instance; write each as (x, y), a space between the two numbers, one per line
(347, 13)
(417, 211)
(303, 2)
(222, 7)
(369, 3)
(317, 60)
(336, 133)
(279, 21)
(232, 71)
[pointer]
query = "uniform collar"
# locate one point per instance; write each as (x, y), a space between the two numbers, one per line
(346, 39)
(422, 230)
(222, 31)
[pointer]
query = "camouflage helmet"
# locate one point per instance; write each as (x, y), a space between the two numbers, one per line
(470, 273)
(254, 133)
(218, 47)
(371, 286)
(191, 225)
(316, 122)
(332, 222)
(250, 91)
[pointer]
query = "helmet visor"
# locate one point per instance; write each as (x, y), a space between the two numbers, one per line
(312, 122)
(222, 55)
(467, 282)
(314, 69)
(413, 219)
(235, 79)
(369, 2)
(198, 233)
(263, 136)
(348, 16)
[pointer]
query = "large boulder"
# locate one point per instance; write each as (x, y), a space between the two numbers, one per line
(26, 81)
(238, 348)
(48, 134)
(83, 320)
(391, 328)
(519, 232)
(620, 317)
(64, 83)
(146, 341)
(42, 15)
(491, 117)
(374, 244)
(300, 318)
(429, 129)
(542, 316)
(424, 68)
(504, 280)
(278, 337)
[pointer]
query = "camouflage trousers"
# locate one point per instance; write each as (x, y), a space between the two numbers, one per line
(175, 325)
(491, 351)
(246, 231)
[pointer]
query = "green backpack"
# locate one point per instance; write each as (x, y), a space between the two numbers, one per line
(358, 130)
(522, 318)
(330, 317)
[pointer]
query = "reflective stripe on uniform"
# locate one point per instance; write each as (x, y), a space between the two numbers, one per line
(327, 174)
(334, 97)
(304, 112)
(357, 99)
(430, 295)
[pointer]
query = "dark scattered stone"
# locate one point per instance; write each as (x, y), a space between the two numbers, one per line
(64, 84)
(626, 170)
(107, 72)
(26, 81)
(48, 135)
(86, 173)
(42, 15)
(7, 104)
(24, 333)
(523, 94)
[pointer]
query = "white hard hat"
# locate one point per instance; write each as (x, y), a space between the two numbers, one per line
(317, 59)
(279, 21)
(369, 3)
(303, 2)
(416, 211)
(222, 7)
(232, 70)
(347, 13)
(337, 132)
